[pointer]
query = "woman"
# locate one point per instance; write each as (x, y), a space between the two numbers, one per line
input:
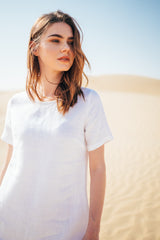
(52, 129)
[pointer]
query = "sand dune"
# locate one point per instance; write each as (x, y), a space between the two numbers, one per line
(126, 83)
(132, 205)
(132, 202)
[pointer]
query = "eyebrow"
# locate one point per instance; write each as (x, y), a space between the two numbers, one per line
(59, 36)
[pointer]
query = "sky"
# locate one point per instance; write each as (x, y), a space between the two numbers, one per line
(120, 36)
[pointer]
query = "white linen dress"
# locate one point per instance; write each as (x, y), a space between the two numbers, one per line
(43, 195)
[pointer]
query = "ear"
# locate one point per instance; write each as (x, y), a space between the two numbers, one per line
(34, 48)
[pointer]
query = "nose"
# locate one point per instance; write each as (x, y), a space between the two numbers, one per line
(65, 47)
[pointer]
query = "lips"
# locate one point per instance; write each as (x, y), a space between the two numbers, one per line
(64, 58)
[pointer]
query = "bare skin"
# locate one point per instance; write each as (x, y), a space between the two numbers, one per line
(55, 43)
(97, 192)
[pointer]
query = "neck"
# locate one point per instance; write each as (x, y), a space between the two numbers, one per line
(48, 84)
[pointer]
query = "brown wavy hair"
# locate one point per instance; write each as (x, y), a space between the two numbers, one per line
(70, 84)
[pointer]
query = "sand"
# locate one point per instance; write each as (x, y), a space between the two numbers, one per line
(132, 200)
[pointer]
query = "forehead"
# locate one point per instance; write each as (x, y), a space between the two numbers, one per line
(59, 28)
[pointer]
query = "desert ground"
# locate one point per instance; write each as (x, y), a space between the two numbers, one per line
(132, 199)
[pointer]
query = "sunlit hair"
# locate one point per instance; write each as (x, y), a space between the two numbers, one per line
(70, 84)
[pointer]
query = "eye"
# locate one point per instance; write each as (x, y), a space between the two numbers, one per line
(55, 40)
(71, 43)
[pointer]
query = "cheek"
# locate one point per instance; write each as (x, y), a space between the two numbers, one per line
(49, 49)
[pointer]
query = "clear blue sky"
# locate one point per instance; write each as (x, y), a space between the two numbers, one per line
(120, 36)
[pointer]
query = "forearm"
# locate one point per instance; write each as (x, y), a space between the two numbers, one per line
(2, 173)
(97, 194)
(6, 163)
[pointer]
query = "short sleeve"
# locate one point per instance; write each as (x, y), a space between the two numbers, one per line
(97, 131)
(7, 131)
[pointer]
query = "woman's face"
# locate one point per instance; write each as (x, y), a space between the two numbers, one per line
(55, 51)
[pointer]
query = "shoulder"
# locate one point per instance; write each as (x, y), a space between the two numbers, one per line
(90, 93)
(18, 98)
(93, 99)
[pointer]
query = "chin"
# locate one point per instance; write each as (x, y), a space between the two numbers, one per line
(65, 69)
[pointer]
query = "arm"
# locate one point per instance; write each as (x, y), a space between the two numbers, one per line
(8, 158)
(97, 192)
